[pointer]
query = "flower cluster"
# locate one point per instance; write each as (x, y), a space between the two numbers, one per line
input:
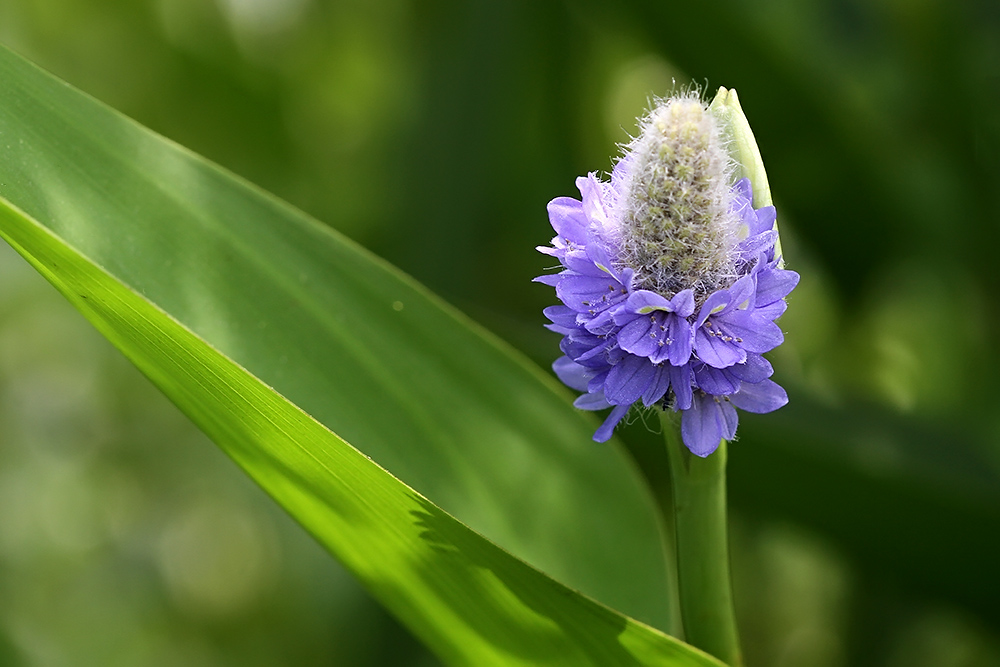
(670, 284)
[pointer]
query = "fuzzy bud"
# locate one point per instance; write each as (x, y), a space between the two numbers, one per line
(676, 229)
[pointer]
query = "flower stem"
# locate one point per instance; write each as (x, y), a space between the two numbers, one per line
(706, 599)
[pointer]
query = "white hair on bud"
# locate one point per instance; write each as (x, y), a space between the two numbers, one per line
(675, 228)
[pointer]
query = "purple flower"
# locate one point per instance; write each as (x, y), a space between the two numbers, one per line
(670, 283)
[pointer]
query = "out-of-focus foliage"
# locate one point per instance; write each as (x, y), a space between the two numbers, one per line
(868, 510)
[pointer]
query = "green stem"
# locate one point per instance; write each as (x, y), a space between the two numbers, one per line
(706, 598)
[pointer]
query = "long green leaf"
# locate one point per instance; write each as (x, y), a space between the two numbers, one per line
(272, 333)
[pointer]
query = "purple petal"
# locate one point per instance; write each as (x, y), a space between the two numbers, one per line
(680, 381)
(551, 280)
(716, 352)
(682, 339)
(754, 333)
(644, 302)
(581, 347)
(603, 434)
(616, 354)
(580, 261)
(760, 397)
(659, 355)
(572, 374)
(716, 302)
(625, 277)
(596, 384)
(702, 425)
(766, 216)
(592, 401)
(658, 387)
(755, 369)
(586, 294)
(593, 202)
(752, 245)
(683, 303)
(568, 219)
(635, 336)
(557, 251)
(579, 340)
(700, 429)
(741, 293)
(628, 380)
(603, 323)
(594, 352)
(771, 311)
(561, 315)
(601, 258)
(707, 423)
(558, 329)
(730, 419)
(625, 314)
(775, 284)
(715, 381)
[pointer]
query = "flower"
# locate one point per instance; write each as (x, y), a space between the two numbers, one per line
(670, 282)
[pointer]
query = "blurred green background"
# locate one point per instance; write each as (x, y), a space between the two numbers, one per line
(866, 514)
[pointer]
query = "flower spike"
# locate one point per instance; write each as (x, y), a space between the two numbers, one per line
(671, 279)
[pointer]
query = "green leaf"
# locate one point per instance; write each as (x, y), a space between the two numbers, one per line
(284, 342)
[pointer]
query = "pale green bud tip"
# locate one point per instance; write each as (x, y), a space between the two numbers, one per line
(677, 231)
(742, 148)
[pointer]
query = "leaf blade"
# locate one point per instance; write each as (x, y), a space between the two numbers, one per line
(157, 228)
(471, 601)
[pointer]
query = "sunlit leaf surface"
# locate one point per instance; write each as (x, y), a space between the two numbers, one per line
(220, 293)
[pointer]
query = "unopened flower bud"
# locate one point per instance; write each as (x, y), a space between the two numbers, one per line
(743, 150)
